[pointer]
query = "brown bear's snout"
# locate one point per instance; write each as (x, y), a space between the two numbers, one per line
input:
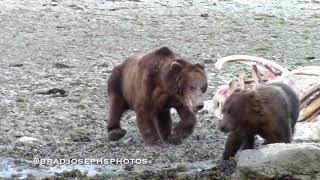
(199, 107)
(195, 101)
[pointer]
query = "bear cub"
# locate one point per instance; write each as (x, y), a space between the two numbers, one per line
(150, 84)
(270, 111)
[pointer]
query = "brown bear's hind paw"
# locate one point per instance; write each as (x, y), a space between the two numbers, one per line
(116, 134)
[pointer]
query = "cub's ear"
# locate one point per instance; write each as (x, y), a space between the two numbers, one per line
(175, 66)
(252, 94)
(253, 97)
(200, 65)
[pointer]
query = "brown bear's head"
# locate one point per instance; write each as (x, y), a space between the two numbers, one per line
(239, 109)
(188, 83)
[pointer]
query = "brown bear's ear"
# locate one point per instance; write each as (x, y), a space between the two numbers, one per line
(253, 97)
(200, 65)
(175, 66)
(171, 75)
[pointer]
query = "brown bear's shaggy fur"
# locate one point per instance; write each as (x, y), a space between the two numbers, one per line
(151, 84)
(270, 111)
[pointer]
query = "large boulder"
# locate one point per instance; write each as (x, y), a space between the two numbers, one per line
(293, 161)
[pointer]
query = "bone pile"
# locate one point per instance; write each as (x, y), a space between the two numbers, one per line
(305, 81)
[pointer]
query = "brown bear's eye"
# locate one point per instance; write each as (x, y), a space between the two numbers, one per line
(192, 88)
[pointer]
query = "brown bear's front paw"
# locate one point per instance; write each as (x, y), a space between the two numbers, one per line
(116, 134)
(176, 140)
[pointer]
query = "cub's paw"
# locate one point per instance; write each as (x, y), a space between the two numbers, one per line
(116, 134)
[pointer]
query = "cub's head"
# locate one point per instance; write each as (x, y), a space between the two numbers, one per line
(188, 83)
(239, 109)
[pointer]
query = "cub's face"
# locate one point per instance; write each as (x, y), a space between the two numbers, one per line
(233, 112)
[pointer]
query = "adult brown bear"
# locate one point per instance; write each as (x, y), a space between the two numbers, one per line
(270, 111)
(150, 84)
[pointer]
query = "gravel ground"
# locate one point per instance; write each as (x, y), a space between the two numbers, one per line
(73, 45)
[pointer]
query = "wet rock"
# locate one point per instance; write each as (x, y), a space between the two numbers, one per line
(205, 15)
(16, 65)
(55, 91)
(279, 161)
(310, 58)
(75, 7)
(104, 65)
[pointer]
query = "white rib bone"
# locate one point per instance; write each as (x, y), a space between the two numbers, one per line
(249, 60)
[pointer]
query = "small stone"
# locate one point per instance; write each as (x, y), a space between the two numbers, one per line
(75, 7)
(29, 140)
(16, 65)
(60, 65)
(204, 15)
(128, 140)
(310, 58)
